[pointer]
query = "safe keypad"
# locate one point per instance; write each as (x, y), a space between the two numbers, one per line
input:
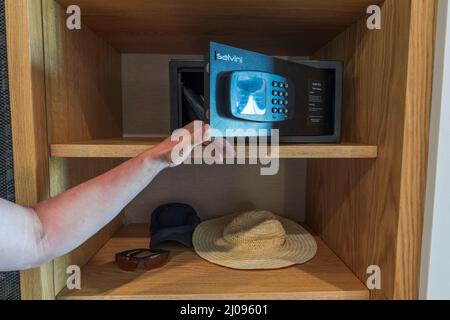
(280, 98)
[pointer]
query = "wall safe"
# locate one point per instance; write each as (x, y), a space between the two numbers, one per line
(240, 89)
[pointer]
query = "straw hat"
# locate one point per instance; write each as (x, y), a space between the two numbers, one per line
(254, 240)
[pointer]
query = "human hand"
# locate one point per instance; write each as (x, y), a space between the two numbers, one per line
(174, 150)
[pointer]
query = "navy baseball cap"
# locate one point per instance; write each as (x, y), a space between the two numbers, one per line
(173, 222)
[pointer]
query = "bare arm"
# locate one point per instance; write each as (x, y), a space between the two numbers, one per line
(30, 237)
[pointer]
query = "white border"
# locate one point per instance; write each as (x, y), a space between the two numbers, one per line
(435, 259)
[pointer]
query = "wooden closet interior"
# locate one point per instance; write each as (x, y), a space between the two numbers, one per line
(86, 100)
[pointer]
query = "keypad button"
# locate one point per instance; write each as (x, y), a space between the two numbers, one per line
(286, 94)
(275, 84)
(286, 85)
(274, 110)
(275, 93)
(286, 102)
(281, 85)
(275, 101)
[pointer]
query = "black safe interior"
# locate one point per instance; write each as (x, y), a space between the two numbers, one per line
(185, 74)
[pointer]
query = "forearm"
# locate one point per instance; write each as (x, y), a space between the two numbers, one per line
(74, 216)
(61, 224)
(30, 237)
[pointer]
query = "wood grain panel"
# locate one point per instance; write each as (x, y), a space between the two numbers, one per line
(187, 276)
(83, 81)
(415, 149)
(285, 27)
(131, 147)
(369, 212)
(67, 173)
(84, 101)
(28, 122)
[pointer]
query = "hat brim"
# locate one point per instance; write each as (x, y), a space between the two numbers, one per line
(208, 242)
(181, 235)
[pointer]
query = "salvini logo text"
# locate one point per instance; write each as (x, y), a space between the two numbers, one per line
(229, 58)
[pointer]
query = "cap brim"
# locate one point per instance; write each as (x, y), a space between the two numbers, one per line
(182, 235)
(208, 242)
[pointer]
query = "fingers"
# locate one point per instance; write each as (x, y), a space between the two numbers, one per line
(190, 127)
(197, 127)
(201, 134)
(207, 133)
(218, 145)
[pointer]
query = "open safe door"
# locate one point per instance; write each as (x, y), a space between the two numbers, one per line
(249, 94)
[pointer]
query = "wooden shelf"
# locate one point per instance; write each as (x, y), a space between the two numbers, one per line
(284, 27)
(128, 148)
(187, 276)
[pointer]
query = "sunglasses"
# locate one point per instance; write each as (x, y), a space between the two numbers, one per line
(146, 258)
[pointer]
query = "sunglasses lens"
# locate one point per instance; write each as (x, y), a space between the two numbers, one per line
(156, 261)
(144, 258)
(126, 264)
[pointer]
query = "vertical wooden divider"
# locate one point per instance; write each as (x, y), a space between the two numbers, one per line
(84, 101)
(370, 211)
(415, 148)
(28, 122)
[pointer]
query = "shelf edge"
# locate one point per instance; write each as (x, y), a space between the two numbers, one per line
(105, 150)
